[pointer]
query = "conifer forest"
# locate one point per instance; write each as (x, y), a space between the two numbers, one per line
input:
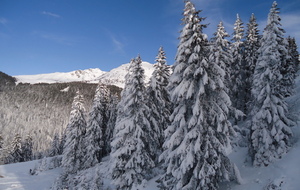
(222, 92)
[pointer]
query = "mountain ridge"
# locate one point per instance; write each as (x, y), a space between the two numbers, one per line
(115, 76)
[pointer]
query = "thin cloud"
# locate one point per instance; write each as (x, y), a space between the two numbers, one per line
(3, 21)
(51, 14)
(119, 46)
(117, 43)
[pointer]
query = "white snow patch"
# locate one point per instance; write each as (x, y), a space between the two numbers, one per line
(65, 89)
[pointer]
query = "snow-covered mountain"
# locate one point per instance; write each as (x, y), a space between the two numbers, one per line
(114, 77)
(117, 76)
(59, 77)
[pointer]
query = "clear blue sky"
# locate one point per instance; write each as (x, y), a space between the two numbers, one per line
(45, 36)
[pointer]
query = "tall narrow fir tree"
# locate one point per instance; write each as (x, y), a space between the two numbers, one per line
(196, 139)
(158, 100)
(132, 159)
(96, 127)
(270, 131)
(238, 66)
(252, 43)
(73, 152)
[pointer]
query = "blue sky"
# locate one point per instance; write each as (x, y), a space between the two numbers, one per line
(45, 36)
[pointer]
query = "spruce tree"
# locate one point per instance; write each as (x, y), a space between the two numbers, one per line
(238, 66)
(252, 44)
(1, 142)
(112, 111)
(158, 100)
(290, 67)
(196, 139)
(270, 132)
(222, 46)
(27, 146)
(16, 153)
(73, 152)
(131, 157)
(98, 118)
(62, 143)
(55, 146)
(293, 53)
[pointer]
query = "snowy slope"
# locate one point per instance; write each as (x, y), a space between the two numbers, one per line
(114, 77)
(17, 177)
(284, 173)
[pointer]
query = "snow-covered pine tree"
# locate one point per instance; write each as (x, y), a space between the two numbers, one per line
(131, 157)
(112, 110)
(198, 134)
(55, 146)
(237, 85)
(73, 152)
(252, 43)
(293, 55)
(158, 100)
(222, 46)
(96, 127)
(16, 153)
(290, 66)
(1, 142)
(27, 148)
(270, 131)
(3, 152)
(62, 143)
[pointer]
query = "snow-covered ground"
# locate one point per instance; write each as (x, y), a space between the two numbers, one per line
(284, 173)
(17, 177)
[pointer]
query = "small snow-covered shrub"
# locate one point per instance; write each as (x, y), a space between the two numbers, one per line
(276, 184)
(89, 179)
(47, 163)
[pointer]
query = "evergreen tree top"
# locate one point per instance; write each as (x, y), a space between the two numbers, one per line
(238, 32)
(78, 102)
(161, 57)
(273, 17)
(220, 33)
(252, 31)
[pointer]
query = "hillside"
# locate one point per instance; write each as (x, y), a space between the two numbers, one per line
(40, 105)
(40, 110)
